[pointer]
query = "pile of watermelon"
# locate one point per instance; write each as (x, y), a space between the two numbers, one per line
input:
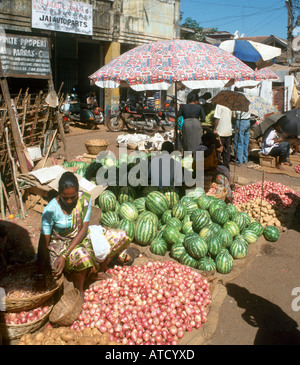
(196, 229)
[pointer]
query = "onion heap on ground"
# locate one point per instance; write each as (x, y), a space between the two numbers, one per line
(152, 304)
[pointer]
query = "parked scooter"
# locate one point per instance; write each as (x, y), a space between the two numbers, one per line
(141, 117)
(88, 113)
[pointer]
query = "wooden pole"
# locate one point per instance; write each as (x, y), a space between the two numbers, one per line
(49, 148)
(13, 122)
(2, 198)
(262, 193)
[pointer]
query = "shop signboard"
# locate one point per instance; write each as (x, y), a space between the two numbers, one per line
(24, 56)
(62, 16)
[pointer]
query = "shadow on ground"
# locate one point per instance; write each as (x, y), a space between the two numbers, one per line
(274, 327)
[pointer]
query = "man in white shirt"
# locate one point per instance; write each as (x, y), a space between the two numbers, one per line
(273, 145)
(223, 127)
(241, 137)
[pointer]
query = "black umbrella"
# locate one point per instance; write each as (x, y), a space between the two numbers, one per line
(260, 129)
(290, 123)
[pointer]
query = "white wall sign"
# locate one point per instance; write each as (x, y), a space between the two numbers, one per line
(62, 16)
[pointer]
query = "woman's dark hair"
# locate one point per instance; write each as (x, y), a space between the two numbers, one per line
(167, 146)
(68, 180)
(192, 97)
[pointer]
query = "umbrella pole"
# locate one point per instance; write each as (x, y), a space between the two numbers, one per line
(262, 194)
(176, 116)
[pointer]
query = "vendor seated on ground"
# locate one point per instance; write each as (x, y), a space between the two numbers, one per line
(275, 146)
(164, 170)
(211, 145)
(65, 242)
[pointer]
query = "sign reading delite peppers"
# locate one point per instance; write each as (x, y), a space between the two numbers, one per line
(24, 56)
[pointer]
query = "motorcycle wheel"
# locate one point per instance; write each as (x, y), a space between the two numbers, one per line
(168, 126)
(115, 123)
(154, 128)
(129, 126)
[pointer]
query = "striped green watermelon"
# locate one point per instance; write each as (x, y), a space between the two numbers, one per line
(241, 220)
(160, 232)
(126, 194)
(195, 193)
(117, 207)
(247, 218)
(225, 237)
(186, 199)
(214, 227)
(219, 203)
(195, 213)
(148, 215)
(172, 197)
(186, 259)
(128, 211)
(205, 201)
(145, 231)
(179, 211)
(171, 234)
(224, 262)
(158, 247)
(110, 219)
(257, 228)
(214, 246)
(187, 227)
(197, 248)
(166, 216)
(180, 238)
(189, 238)
(191, 206)
(271, 233)
(107, 201)
(232, 227)
(157, 203)
(200, 221)
(187, 218)
(231, 210)
(249, 235)
(220, 216)
(206, 264)
(140, 204)
(174, 222)
(238, 249)
(206, 234)
(128, 226)
(177, 249)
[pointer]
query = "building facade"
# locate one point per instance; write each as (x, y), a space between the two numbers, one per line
(84, 35)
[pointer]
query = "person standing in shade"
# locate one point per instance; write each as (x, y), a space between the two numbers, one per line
(193, 115)
(241, 137)
(223, 127)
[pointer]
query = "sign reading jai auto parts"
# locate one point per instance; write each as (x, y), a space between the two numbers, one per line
(62, 16)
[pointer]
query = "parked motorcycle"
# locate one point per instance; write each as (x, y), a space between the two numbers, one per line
(141, 117)
(75, 111)
(167, 113)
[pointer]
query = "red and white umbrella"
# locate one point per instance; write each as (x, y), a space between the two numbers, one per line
(158, 65)
(263, 74)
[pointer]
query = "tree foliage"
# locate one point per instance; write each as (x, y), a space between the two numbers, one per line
(198, 33)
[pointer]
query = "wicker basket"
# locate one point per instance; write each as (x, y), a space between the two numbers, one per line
(16, 331)
(27, 303)
(67, 309)
(94, 146)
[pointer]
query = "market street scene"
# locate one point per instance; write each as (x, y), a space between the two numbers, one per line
(149, 175)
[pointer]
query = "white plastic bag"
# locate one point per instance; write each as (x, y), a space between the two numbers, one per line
(100, 244)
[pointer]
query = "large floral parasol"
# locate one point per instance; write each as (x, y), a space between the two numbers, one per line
(157, 65)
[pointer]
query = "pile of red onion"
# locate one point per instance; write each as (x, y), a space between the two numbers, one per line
(297, 169)
(275, 193)
(153, 304)
(26, 316)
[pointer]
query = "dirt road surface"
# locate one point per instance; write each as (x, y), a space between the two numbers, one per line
(261, 304)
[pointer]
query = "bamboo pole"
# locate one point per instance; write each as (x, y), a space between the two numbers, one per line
(14, 178)
(13, 122)
(49, 148)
